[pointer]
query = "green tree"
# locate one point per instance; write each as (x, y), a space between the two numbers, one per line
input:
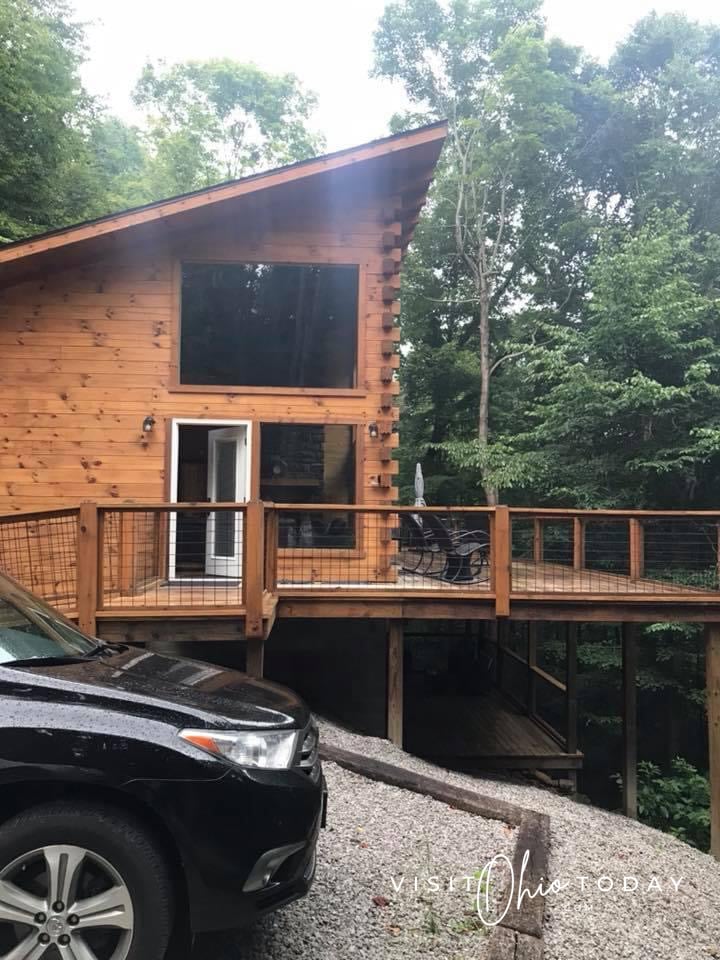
(602, 362)
(641, 376)
(109, 170)
(40, 101)
(660, 143)
(501, 246)
(62, 157)
(218, 119)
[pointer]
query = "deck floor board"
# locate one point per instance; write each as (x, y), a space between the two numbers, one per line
(527, 578)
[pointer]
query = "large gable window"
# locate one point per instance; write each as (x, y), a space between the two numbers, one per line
(268, 325)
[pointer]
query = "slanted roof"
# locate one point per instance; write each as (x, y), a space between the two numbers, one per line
(401, 154)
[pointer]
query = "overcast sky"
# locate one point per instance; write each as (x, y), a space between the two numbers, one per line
(327, 43)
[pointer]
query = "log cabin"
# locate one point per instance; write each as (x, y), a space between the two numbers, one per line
(199, 409)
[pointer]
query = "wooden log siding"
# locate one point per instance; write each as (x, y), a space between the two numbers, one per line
(89, 352)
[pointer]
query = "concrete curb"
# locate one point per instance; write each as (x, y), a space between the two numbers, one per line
(519, 936)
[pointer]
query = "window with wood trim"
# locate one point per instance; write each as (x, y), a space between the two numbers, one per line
(268, 325)
(306, 464)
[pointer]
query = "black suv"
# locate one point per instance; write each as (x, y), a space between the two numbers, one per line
(137, 789)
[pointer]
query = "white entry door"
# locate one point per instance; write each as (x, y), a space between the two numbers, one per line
(227, 458)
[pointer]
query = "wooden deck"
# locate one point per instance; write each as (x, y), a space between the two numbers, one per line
(484, 731)
(82, 560)
(527, 578)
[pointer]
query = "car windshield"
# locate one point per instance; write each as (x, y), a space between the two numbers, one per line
(35, 633)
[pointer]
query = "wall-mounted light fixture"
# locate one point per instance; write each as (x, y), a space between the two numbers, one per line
(148, 423)
(373, 431)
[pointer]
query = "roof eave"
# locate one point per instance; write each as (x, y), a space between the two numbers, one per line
(162, 209)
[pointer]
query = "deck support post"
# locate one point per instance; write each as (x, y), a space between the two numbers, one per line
(531, 694)
(571, 739)
(87, 567)
(502, 641)
(629, 685)
(255, 657)
(712, 674)
(395, 682)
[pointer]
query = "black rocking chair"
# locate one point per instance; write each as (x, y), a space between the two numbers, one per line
(427, 539)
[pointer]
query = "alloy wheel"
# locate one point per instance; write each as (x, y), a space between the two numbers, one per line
(64, 901)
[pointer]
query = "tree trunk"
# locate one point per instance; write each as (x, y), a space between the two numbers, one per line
(491, 491)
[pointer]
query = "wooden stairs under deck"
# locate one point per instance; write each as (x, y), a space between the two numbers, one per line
(481, 731)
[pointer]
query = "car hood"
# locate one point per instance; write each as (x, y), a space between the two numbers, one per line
(142, 682)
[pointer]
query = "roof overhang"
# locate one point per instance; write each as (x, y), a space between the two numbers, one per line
(408, 158)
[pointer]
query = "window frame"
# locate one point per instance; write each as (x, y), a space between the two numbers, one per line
(359, 388)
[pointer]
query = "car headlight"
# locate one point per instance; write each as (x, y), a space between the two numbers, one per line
(268, 749)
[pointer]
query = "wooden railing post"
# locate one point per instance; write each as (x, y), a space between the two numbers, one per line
(100, 596)
(501, 556)
(271, 547)
(637, 549)
(87, 567)
(578, 543)
(254, 567)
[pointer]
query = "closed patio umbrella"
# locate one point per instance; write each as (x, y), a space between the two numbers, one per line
(419, 486)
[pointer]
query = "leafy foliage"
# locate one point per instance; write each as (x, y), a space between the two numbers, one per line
(40, 96)
(219, 119)
(504, 234)
(678, 803)
(641, 375)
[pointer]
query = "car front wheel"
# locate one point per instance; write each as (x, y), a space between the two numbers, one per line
(82, 882)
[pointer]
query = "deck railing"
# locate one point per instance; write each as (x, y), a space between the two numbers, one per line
(125, 559)
(598, 552)
(407, 549)
(40, 551)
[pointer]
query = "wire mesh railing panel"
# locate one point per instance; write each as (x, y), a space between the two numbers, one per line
(681, 552)
(40, 552)
(163, 558)
(542, 555)
(606, 546)
(388, 549)
(595, 553)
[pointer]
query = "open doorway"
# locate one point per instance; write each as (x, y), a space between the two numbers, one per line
(209, 463)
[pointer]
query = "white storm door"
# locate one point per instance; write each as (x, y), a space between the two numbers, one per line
(227, 458)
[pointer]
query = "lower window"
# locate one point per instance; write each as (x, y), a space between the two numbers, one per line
(307, 464)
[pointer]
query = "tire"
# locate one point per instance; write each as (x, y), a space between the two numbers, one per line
(105, 850)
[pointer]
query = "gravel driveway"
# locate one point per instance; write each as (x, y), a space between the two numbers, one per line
(363, 903)
(377, 832)
(603, 847)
